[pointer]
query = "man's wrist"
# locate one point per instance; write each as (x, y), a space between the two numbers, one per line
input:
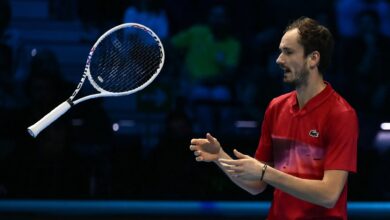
(263, 170)
(220, 154)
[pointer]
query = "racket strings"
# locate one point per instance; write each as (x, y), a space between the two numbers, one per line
(141, 71)
(125, 60)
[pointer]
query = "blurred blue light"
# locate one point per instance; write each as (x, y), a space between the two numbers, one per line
(215, 208)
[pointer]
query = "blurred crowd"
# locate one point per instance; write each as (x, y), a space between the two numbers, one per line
(220, 74)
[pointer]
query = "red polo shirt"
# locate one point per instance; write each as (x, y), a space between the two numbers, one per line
(306, 142)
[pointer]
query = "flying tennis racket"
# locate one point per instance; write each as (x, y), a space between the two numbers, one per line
(124, 60)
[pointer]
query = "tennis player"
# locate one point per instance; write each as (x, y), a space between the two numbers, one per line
(308, 143)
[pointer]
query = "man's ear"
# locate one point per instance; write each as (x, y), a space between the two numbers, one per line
(314, 59)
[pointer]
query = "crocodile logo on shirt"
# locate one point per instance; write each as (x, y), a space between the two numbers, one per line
(314, 133)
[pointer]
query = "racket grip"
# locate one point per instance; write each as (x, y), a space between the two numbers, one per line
(36, 128)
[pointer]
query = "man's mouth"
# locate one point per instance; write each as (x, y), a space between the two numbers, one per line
(286, 70)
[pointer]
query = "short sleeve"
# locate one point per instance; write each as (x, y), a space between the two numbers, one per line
(341, 139)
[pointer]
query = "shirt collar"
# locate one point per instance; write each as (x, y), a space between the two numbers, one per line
(312, 103)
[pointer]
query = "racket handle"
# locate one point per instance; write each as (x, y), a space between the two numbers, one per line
(36, 128)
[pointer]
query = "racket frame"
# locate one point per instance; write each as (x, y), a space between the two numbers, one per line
(61, 109)
(104, 93)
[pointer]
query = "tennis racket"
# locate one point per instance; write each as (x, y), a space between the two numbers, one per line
(124, 60)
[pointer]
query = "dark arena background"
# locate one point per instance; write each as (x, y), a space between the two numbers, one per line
(128, 157)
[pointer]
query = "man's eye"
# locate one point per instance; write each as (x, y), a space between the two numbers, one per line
(286, 51)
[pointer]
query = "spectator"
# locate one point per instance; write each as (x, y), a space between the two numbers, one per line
(150, 14)
(210, 51)
(364, 57)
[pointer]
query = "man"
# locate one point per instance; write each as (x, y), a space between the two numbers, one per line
(309, 136)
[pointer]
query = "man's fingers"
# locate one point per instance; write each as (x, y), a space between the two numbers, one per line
(230, 162)
(232, 168)
(239, 154)
(193, 147)
(195, 141)
(228, 166)
(200, 158)
(234, 174)
(197, 153)
(210, 138)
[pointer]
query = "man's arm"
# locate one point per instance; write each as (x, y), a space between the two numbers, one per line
(209, 150)
(324, 192)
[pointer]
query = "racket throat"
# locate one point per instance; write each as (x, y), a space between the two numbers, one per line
(71, 103)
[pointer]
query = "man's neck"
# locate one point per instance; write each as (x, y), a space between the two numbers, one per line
(308, 91)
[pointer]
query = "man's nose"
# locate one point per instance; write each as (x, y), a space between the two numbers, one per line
(280, 60)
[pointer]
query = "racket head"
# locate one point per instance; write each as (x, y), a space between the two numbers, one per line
(124, 60)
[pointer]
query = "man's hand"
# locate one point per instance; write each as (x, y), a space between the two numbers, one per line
(206, 149)
(245, 167)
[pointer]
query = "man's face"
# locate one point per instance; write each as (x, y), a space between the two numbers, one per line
(292, 59)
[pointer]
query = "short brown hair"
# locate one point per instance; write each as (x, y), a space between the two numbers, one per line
(314, 37)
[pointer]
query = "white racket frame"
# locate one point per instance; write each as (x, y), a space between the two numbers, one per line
(61, 109)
